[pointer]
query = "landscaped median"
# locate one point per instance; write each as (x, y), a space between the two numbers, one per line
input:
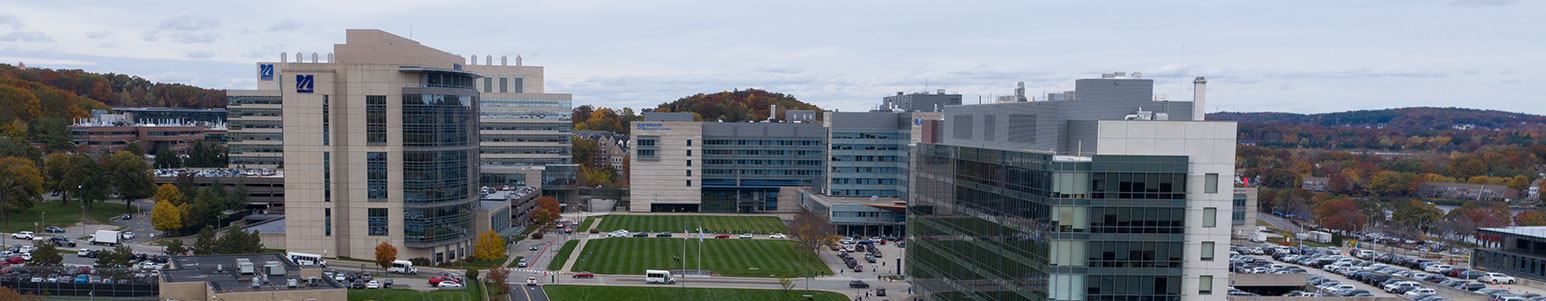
(710, 223)
(563, 255)
(726, 257)
(663, 293)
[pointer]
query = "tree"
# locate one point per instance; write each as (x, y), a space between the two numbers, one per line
(205, 243)
(175, 248)
(117, 257)
(166, 217)
(812, 231)
(20, 104)
(21, 184)
(498, 276)
(129, 176)
(472, 274)
(238, 241)
(47, 254)
(787, 286)
(1390, 183)
(488, 246)
(66, 173)
(1340, 214)
(542, 216)
(203, 210)
(385, 254)
(169, 193)
(165, 158)
(7, 293)
(238, 198)
(1416, 214)
(53, 133)
(548, 203)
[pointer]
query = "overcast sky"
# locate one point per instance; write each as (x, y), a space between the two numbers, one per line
(1290, 56)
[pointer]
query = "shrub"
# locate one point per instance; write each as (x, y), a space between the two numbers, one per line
(595, 230)
(537, 235)
(420, 261)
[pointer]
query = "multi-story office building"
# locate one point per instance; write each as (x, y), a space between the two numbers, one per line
(256, 129)
(1243, 218)
(107, 133)
(680, 165)
(870, 151)
(920, 102)
(1517, 251)
(1090, 199)
(520, 125)
(163, 115)
(380, 145)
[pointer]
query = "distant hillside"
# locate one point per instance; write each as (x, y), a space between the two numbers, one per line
(735, 106)
(118, 90)
(1419, 118)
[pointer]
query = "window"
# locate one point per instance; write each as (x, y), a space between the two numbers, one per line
(326, 129)
(689, 173)
(377, 221)
(1210, 217)
(504, 85)
(1210, 183)
(689, 142)
(376, 176)
(1205, 285)
(689, 162)
(375, 119)
(327, 176)
(1207, 251)
(689, 153)
(519, 85)
(327, 221)
(689, 183)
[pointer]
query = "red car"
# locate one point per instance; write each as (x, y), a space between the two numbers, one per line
(15, 260)
(584, 275)
(435, 281)
(722, 236)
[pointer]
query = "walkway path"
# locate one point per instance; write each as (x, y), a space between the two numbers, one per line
(575, 254)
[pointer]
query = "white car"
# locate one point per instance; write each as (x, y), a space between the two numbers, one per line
(28, 235)
(1418, 291)
(128, 235)
(339, 277)
(1498, 278)
(449, 284)
(777, 236)
(1341, 287)
(373, 284)
(847, 240)
(1393, 287)
(746, 236)
(25, 249)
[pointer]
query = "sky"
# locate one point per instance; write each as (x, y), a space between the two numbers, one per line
(1291, 56)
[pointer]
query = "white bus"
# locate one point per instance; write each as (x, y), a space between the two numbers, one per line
(402, 267)
(658, 276)
(307, 259)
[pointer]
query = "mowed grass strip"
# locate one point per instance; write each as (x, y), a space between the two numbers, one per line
(711, 223)
(728, 257)
(563, 255)
(664, 293)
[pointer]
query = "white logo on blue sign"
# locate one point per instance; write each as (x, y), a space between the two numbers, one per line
(266, 72)
(303, 83)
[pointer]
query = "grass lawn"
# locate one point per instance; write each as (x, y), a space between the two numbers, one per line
(728, 257)
(714, 224)
(563, 255)
(585, 225)
(472, 293)
(585, 292)
(57, 214)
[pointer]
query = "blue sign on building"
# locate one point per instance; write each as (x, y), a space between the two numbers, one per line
(303, 83)
(651, 127)
(266, 72)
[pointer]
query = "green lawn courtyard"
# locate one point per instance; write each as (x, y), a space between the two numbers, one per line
(665, 293)
(563, 255)
(55, 213)
(711, 223)
(727, 257)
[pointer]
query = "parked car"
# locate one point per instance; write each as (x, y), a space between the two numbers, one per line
(28, 235)
(663, 234)
(584, 275)
(746, 236)
(858, 284)
(777, 236)
(126, 216)
(722, 236)
(128, 235)
(62, 241)
(373, 284)
(449, 284)
(53, 229)
(641, 234)
(1498, 278)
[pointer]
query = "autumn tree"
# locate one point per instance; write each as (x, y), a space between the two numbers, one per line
(812, 231)
(489, 245)
(1340, 214)
(130, 176)
(166, 217)
(385, 254)
(1530, 218)
(169, 193)
(497, 276)
(542, 216)
(1391, 183)
(7, 293)
(548, 203)
(1416, 214)
(21, 185)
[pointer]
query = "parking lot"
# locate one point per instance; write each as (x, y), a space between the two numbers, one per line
(1379, 274)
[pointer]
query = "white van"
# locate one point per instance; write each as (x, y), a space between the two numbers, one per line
(658, 276)
(403, 267)
(307, 259)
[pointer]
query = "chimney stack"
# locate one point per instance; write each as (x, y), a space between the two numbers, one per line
(1199, 95)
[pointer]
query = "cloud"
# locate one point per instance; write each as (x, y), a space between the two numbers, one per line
(189, 22)
(9, 20)
(98, 35)
(1482, 3)
(286, 25)
(24, 36)
(44, 61)
(199, 55)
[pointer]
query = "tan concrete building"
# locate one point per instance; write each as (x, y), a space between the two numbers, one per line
(380, 145)
(666, 175)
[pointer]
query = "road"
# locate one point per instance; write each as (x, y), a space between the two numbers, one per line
(1279, 222)
(519, 292)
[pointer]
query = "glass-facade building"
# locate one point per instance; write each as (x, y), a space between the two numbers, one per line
(745, 164)
(1516, 251)
(255, 128)
(989, 224)
(868, 162)
(525, 131)
(440, 160)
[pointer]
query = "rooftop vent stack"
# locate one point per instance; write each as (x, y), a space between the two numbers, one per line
(472, 60)
(284, 57)
(1108, 75)
(772, 112)
(1020, 91)
(1137, 75)
(517, 60)
(298, 58)
(1199, 98)
(257, 282)
(940, 91)
(1120, 75)
(313, 57)
(504, 60)
(488, 60)
(329, 57)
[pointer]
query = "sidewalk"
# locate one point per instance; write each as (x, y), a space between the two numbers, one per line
(578, 248)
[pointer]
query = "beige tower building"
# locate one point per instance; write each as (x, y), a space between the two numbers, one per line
(380, 145)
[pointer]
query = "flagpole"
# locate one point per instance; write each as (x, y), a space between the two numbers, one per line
(684, 254)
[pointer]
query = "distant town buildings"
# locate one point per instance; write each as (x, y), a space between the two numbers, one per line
(920, 102)
(612, 148)
(1464, 191)
(1314, 183)
(108, 132)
